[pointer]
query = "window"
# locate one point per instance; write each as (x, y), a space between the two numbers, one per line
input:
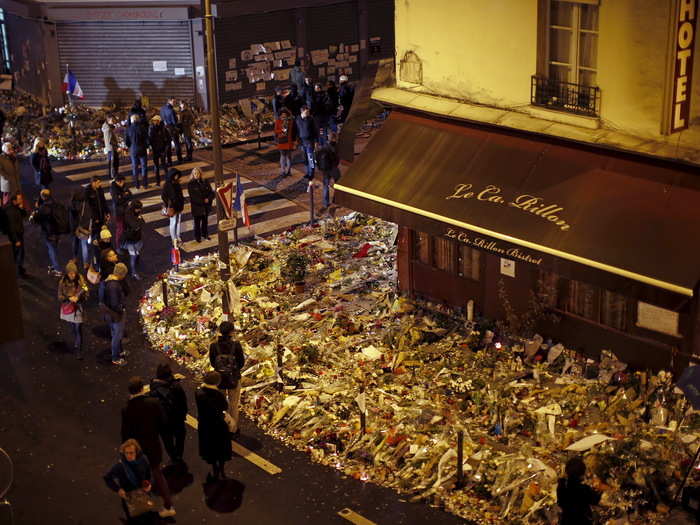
(469, 262)
(447, 255)
(5, 67)
(422, 247)
(572, 38)
(444, 254)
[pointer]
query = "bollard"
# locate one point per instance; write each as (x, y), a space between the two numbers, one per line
(460, 459)
(280, 383)
(312, 218)
(164, 283)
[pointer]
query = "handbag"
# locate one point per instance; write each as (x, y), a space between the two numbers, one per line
(171, 212)
(68, 308)
(83, 233)
(229, 422)
(139, 502)
(93, 276)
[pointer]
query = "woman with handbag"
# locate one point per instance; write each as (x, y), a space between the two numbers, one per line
(130, 477)
(72, 291)
(173, 202)
(214, 433)
(40, 162)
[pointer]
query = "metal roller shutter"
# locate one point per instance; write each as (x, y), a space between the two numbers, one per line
(333, 25)
(380, 14)
(114, 61)
(236, 34)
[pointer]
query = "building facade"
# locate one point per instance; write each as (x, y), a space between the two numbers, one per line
(542, 158)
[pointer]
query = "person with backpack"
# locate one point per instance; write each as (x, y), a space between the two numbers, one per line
(39, 160)
(213, 431)
(227, 358)
(166, 388)
(99, 212)
(133, 231)
(308, 137)
(327, 162)
(169, 118)
(120, 197)
(81, 227)
(52, 218)
(72, 293)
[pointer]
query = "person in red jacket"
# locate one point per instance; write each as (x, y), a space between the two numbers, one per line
(286, 134)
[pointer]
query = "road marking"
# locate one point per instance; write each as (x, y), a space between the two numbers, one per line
(125, 169)
(354, 517)
(71, 166)
(243, 452)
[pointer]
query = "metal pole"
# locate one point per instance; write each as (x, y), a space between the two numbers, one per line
(225, 272)
(312, 218)
(460, 459)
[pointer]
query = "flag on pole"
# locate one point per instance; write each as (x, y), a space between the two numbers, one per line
(239, 204)
(71, 86)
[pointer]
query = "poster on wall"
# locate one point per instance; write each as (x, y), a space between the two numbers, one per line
(507, 267)
(232, 76)
(658, 319)
(179, 71)
(233, 86)
(246, 55)
(160, 65)
(232, 63)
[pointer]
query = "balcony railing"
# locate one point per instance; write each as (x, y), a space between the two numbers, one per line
(565, 96)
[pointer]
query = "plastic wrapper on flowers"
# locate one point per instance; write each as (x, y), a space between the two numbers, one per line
(380, 387)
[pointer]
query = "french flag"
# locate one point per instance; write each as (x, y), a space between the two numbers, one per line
(71, 86)
(239, 204)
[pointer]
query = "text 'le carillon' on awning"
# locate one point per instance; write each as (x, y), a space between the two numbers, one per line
(617, 212)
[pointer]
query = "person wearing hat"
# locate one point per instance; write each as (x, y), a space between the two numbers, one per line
(114, 306)
(102, 243)
(143, 419)
(72, 292)
(213, 431)
(133, 235)
(120, 198)
(166, 388)
(174, 202)
(137, 142)
(227, 358)
(158, 138)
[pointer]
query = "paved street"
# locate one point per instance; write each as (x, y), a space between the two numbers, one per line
(59, 417)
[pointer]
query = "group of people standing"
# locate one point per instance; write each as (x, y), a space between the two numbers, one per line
(155, 419)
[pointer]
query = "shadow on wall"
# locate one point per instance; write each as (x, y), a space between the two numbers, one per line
(157, 93)
(117, 95)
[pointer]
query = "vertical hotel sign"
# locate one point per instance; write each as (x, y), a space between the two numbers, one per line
(685, 25)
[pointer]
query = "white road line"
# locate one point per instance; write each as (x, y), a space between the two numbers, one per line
(72, 165)
(259, 228)
(243, 452)
(125, 169)
(354, 517)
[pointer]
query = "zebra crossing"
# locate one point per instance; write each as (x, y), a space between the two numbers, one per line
(269, 211)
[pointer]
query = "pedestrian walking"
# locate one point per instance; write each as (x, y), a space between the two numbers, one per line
(173, 202)
(99, 211)
(81, 227)
(130, 477)
(158, 138)
(201, 198)
(575, 497)
(72, 294)
(187, 121)
(143, 420)
(346, 93)
(214, 434)
(327, 161)
(133, 235)
(297, 76)
(9, 173)
(111, 148)
(137, 142)
(333, 105)
(121, 195)
(115, 309)
(286, 135)
(39, 159)
(308, 137)
(49, 215)
(169, 118)
(166, 388)
(227, 358)
(320, 110)
(15, 215)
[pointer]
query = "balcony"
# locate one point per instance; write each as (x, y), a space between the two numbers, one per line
(565, 96)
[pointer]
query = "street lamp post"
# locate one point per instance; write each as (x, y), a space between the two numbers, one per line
(224, 269)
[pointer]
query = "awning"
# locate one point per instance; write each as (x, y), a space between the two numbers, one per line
(524, 196)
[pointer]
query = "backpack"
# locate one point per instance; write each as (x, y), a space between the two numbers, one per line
(59, 214)
(324, 159)
(167, 401)
(227, 365)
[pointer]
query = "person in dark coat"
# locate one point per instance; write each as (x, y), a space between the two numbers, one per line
(169, 118)
(293, 101)
(214, 435)
(111, 147)
(158, 138)
(346, 93)
(228, 367)
(133, 235)
(308, 136)
(81, 217)
(137, 142)
(187, 121)
(277, 102)
(307, 91)
(201, 198)
(44, 217)
(574, 497)
(137, 109)
(319, 110)
(166, 388)
(143, 419)
(333, 104)
(132, 472)
(327, 161)
(15, 215)
(174, 202)
(114, 304)
(121, 195)
(39, 160)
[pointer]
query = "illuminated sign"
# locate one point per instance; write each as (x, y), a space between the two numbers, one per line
(683, 69)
